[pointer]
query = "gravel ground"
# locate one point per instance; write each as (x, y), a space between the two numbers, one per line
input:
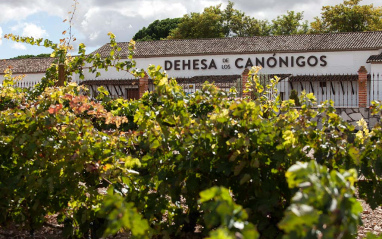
(372, 222)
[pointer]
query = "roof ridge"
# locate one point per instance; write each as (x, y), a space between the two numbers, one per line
(317, 42)
(243, 37)
(238, 37)
(34, 58)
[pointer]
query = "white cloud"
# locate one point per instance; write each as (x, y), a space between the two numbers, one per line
(21, 9)
(19, 46)
(93, 19)
(93, 36)
(156, 9)
(29, 30)
(32, 30)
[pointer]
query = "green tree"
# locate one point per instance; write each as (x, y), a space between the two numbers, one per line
(208, 24)
(216, 23)
(349, 16)
(157, 30)
(236, 23)
(32, 56)
(289, 24)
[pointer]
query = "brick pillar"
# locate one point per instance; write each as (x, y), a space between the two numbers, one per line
(362, 87)
(244, 80)
(143, 85)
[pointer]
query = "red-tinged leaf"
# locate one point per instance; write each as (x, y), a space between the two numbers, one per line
(55, 108)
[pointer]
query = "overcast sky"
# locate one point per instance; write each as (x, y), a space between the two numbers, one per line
(95, 18)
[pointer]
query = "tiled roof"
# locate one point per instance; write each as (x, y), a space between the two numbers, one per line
(24, 66)
(110, 82)
(323, 78)
(351, 41)
(375, 58)
(211, 78)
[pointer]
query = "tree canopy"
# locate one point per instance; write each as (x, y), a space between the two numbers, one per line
(208, 24)
(348, 17)
(157, 30)
(290, 24)
(214, 22)
(236, 23)
(32, 56)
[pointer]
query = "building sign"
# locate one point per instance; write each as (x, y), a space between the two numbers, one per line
(241, 63)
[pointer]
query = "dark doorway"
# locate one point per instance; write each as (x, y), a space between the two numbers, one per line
(132, 93)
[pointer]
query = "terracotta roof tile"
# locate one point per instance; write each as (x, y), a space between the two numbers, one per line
(111, 82)
(24, 66)
(351, 41)
(323, 78)
(374, 58)
(211, 78)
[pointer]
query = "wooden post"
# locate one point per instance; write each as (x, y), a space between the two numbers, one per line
(143, 85)
(362, 87)
(61, 75)
(244, 80)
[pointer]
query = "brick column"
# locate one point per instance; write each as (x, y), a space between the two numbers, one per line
(362, 87)
(143, 85)
(244, 80)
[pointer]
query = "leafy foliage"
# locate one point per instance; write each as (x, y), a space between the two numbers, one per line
(59, 147)
(173, 162)
(216, 23)
(236, 23)
(220, 210)
(157, 30)
(290, 24)
(294, 96)
(348, 17)
(31, 56)
(325, 198)
(200, 25)
(120, 214)
(53, 159)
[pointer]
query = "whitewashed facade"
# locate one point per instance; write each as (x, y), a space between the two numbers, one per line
(332, 61)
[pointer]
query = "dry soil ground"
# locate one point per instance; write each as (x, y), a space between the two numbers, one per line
(372, 220)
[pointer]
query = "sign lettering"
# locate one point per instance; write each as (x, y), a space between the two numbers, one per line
(240, 63)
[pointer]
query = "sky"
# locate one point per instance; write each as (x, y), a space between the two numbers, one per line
(93, 19)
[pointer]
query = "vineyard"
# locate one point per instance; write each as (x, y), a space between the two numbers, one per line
(175, 165)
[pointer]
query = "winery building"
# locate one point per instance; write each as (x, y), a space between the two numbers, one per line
(344, 67)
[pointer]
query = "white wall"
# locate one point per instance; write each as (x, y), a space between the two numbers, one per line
(34, 78)
(376, 68)
(337, 63)
(111, 74)
(347, 62)
(375, 84)
(28, 79)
